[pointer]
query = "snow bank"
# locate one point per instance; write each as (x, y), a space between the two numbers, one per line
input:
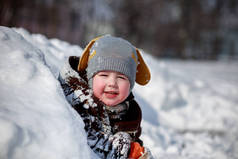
(36, 121)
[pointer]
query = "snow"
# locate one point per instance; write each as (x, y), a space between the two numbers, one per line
(190, 108)
(36, 121)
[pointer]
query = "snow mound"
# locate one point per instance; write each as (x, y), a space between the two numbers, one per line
(36, 121)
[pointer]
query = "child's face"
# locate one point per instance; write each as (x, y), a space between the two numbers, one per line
(111, 87)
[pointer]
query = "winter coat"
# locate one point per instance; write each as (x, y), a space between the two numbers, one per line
(108, 134)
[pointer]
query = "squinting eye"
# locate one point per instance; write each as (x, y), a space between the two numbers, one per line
(122, 77)
(103, 75)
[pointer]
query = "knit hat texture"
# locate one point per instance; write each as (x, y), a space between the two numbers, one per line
(110, 53)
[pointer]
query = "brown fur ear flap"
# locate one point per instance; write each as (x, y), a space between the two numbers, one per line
(83, 63)
(143, 73)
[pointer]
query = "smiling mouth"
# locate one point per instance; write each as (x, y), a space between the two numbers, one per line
(110, 94)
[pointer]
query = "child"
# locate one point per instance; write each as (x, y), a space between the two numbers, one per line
(98, 85)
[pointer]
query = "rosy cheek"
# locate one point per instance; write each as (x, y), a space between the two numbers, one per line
(98, 88)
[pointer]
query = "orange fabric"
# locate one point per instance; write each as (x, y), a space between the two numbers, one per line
(143, 72)
(136, 150)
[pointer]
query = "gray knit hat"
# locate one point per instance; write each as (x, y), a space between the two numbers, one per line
(114, 54)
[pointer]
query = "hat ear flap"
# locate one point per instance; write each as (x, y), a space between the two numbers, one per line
(143, 72)
(83, 62)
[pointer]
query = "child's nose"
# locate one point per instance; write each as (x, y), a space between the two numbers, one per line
(112, 81)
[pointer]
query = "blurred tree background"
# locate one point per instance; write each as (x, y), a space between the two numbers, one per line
(185, 29)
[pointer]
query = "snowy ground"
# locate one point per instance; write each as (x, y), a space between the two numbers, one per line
(190, 109)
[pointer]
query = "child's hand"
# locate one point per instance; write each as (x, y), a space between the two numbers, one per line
(120, 145)
(136, 150)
